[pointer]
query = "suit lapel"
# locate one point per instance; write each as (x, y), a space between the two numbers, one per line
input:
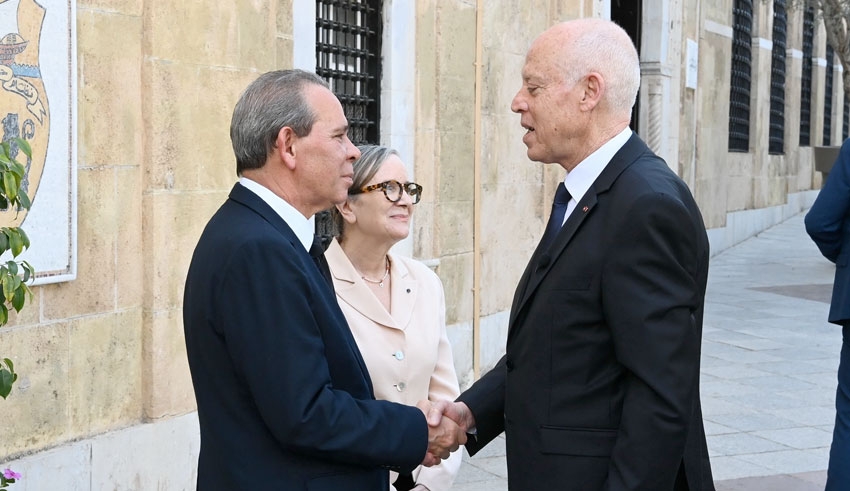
(249, 199)
(542, 261)
(355, 293)
(405, 290)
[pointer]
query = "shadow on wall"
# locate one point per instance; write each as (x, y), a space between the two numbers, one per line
(824, 158)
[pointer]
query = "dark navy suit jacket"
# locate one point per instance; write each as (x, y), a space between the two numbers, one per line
(284, 398)
(828, 224)
(599, 386)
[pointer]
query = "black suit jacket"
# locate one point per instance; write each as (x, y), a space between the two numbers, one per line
(599, 386)
(828, 224)
(284, 398)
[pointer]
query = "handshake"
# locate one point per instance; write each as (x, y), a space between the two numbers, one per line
(448, 424)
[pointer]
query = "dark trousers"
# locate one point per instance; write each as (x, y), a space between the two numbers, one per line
(838, 475)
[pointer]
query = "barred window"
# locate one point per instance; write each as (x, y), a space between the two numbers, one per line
(806, 78)
(776, 143)
(827, 97)
(739, 103)
(845, 127)
(348, 54)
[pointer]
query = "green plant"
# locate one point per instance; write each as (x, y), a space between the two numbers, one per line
(14, 274)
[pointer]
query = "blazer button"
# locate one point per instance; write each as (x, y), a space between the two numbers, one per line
(509, 365)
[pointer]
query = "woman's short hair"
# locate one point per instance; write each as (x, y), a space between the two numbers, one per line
(372, 157)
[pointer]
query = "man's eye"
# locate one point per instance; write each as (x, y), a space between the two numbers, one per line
(532, 90)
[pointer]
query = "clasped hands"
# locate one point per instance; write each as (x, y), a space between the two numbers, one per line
(445, 434)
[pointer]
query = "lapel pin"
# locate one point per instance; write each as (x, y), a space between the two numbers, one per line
(585, 209)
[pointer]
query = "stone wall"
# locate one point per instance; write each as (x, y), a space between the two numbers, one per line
(102, 359)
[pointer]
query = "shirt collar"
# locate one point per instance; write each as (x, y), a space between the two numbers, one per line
(579, 180)
(303, 227)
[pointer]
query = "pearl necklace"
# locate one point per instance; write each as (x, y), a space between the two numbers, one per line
(380, 282)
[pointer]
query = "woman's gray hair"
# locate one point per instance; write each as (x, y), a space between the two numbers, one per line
(272, 101)
(372, 157)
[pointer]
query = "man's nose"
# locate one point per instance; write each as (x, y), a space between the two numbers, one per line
(518, 103)
(353, 151)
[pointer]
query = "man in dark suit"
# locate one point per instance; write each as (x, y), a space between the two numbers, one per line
(284, 398)
(599, 386)
(828, 224)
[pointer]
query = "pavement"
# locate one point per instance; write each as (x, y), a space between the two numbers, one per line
(768, 373)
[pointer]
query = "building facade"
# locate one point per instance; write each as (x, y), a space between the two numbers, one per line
(735, 95)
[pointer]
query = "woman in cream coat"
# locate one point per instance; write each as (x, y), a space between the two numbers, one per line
(394, 305)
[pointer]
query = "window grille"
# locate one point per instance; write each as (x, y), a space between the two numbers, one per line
(739, 103)
(806, 78)
(777, 79)
(348, 54)
(845, 127)
(827, 97)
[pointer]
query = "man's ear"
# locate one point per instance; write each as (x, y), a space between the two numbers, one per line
(594, 89)
(345, 210)
(285, 146)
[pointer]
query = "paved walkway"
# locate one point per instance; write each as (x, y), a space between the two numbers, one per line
(768, 369)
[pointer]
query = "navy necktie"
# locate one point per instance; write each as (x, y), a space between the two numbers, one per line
(317, 251)
(556, 218)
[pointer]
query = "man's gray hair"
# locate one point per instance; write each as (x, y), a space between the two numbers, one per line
(607, 50)
(271, 102)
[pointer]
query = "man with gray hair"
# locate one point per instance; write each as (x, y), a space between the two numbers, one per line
(284, 398)
(599, 386)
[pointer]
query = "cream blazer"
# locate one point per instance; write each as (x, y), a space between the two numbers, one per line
(406, 350)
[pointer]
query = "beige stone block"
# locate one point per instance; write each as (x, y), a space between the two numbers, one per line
(509, 29)
(167, 384)
(110, 113)
(124, 7)
(711, 196)
(188, 126)
(504, 256)
(739, 194)
(172, 224)
(719, 11)
(285, 18)
(457, 167)
(455, 271)
(423, 231)
(105, 372)
(426, 67)
(455, 223)
(97, 227)
(229, 34)
(570, 9)
(501, 80)
(35, 415)
(456, 105)
(504, 158)
(30, 314)
(284, 54)
(456, 41)
(129, 275)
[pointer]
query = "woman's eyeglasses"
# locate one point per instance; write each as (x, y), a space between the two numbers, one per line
(392, 190)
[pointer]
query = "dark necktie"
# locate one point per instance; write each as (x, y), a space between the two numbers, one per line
(317, 251)
(556, 218)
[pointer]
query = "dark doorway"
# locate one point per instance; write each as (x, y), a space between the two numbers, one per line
(627, 14)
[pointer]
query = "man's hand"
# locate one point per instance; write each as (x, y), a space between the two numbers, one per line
(444, 437)
(456, 411)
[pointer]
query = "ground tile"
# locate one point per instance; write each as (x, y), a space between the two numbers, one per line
(800, 438)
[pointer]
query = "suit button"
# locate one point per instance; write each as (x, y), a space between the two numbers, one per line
(399, 355)
(509, 365)
(400, 386)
